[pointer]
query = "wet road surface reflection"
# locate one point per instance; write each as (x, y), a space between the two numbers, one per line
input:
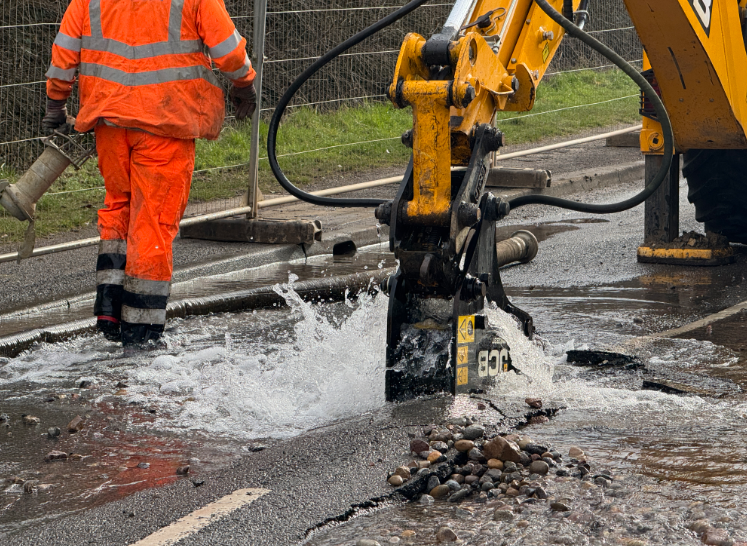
(188, 405)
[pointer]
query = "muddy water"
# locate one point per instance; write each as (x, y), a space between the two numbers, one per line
(674, 459)
(189, 403)
(731, 333)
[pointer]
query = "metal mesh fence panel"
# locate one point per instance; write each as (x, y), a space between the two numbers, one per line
(339, 129)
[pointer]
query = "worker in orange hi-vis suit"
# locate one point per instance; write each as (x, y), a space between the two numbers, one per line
(148, 90)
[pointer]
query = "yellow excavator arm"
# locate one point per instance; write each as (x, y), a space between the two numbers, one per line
(490, 56)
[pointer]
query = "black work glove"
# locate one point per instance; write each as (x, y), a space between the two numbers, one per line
(245, 101)
(55, 116)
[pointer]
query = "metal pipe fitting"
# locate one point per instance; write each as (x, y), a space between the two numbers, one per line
(521, 247)
(20, 199)
(61, 150)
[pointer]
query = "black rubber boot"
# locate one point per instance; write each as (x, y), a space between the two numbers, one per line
(142, 337)
(110, 328)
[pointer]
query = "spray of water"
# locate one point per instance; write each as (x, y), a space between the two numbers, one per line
(538, 360)
(278, 373)
(328, 370)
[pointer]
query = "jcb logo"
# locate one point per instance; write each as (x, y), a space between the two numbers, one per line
(703, 9)
(492, 363)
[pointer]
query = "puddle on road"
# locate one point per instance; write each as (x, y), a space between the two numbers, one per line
(229, 381)
(114, 455)
(224, 382)
(650, 303)
(545, 230)
(732, 334)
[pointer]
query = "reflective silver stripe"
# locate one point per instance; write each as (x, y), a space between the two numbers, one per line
(113, 246)
(145, 51)
(60, 74)
(110, 276)
(146, 287)
(133, 79)
(174, 45)
(241, 72)
(94, 16)
(143, 316)
(175, 20)
(226, 46)
(67, 42)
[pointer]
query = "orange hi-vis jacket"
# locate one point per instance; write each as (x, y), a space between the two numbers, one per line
(143, 64)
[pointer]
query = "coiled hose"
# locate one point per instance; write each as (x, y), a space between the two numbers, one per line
(569, 27)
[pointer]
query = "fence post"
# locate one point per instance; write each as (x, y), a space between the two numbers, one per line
(258, 57)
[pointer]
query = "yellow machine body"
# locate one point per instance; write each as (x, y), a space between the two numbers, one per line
(494, 68)
(696, 48)
(697, 51)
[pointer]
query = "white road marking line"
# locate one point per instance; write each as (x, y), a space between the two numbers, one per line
(191, 523)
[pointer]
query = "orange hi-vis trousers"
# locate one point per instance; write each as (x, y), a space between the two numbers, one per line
(147, 179)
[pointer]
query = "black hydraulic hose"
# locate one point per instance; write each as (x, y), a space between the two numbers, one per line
(286, 98)
(661, 114)
(568, 9)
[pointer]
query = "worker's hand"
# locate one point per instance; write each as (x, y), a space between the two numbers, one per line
(55, 117)
(245, 101)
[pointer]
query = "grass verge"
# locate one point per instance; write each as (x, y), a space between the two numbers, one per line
(314, 147)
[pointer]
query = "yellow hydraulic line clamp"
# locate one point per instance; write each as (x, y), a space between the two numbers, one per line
(651, 139)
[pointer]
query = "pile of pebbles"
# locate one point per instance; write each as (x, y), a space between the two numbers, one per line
(458, 461)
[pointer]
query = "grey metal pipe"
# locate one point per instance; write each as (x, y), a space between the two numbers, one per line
(521, 247)
(20, 199)
(258, 60)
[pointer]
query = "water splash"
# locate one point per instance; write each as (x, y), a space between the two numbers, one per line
(538, 360)
(330, 368)
(532, 357)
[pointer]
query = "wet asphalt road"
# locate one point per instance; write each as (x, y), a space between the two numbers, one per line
(320, 474)
(67, 274)
(597, 253)
(311, 478)
(603, 253)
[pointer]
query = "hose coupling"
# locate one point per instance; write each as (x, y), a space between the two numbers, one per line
(383, 213)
